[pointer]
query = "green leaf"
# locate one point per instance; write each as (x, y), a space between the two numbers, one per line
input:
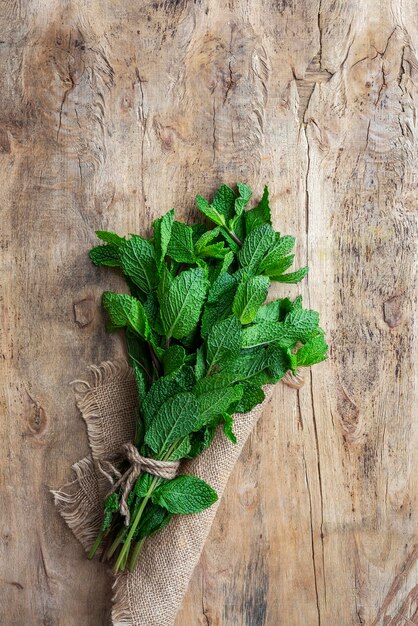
(277, 252)
(291, 277)
(140, 382)
(252, 395)
(173, 358)
(255, 246)
(222, 380)
(224, 201)
(299, 325)
(219, 305)
(275, 269)
(223, 342)
(278, 362)
(205, 239)
(111, 505)
(125, 310)
(111, 238)
(143, 485)
(154, 518)
(163, 389)
(162, 233)
(314, 351)
(210, 211)
(201, 440)
(176, 418)
(200, 367)
(185, 494)
(215, 251)
(138, 262)
(228, 424)
(181, 247)
(260, 215)
(165, 282)
(249, 297)
(182, 450)
(274, 311)
(243, 199)
(213, 403)
(105, 256)
(182, 303)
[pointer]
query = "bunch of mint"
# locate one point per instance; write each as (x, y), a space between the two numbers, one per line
(202, 342)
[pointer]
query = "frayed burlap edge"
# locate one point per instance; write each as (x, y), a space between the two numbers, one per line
(105, 373)
(81, 513)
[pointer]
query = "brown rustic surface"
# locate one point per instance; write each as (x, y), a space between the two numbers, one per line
(113, 111)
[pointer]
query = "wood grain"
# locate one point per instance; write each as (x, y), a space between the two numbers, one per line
(111, 112)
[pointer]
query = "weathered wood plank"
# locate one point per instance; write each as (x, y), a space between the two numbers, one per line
(112, 112)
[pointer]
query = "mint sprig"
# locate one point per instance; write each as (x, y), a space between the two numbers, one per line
(202, 342)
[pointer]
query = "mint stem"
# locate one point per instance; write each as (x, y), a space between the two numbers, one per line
(234, 237)
(155, 360)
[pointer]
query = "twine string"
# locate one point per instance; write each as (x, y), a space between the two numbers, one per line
(139, 464)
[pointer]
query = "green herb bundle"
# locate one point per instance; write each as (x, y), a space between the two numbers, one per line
(202, 342)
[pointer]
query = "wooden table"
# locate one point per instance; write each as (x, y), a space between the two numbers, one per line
(112, 112)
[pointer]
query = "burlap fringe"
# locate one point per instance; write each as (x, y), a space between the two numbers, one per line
(74, 506)
(121, 611)
(103, 374)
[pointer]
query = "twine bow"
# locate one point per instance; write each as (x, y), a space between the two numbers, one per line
(139, 464)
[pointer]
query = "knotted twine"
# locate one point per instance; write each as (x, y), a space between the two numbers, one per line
(138, 464)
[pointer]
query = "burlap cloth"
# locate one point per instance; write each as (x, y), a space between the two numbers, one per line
(152, 594)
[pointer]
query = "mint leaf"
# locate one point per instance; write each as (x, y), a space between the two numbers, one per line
(182, 303)
(163, 389)
(224, 202)
(252, 395)
(299, 325)
(274, 311)
(277, 268)
(182, 450)
(249, 297)
(138, 262)
(291, 277)
(111, 505)
(255, 246)
(185, 494)
(107, 255)
(228, 424)
(205, 239)
(213, 403)
(176, 418)
(164, 284)
(200, 367)
(111, 238)
(314, 351)
(277, 252)
(162, 233)
(260, 215)
(125, 310)
(278, 363)
(181, 247)
(210, 211)
(173, 358)
(219, 304)
(223, 343)
(201, 440)
(243, 199)
(214, 251)
(140, 382)
(154, 518)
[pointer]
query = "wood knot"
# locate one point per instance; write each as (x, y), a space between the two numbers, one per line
(392, 310)
(84, 312)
